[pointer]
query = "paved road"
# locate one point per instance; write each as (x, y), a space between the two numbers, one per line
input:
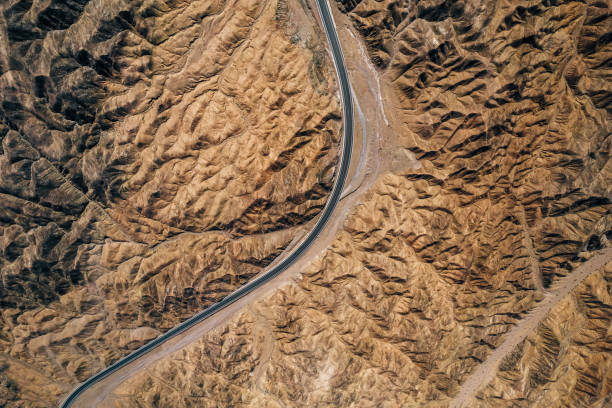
(341, 176)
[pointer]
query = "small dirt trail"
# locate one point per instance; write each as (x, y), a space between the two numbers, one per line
(268, 347)
(536, 273)
(266, 356)
(486, 371)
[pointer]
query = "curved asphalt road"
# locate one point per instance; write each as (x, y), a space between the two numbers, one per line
(345, 160)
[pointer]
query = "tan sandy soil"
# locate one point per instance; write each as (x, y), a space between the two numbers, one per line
(476, 277)
(489, 368)
(440, 270)
(155, 155)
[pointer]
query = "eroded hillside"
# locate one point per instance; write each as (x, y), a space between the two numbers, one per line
(155, 155)
(507, 107)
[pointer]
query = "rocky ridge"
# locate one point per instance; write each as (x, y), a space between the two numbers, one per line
(507, 107)
(155, 155)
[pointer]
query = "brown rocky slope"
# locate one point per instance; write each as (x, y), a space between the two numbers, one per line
(507, 106)
(154, 156)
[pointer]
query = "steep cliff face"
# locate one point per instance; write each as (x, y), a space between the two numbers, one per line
(154, 156)
(507, 107)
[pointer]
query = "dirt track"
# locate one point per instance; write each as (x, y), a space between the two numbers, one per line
(487, 370)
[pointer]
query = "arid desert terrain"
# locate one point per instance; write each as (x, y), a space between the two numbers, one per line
(156, 155)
